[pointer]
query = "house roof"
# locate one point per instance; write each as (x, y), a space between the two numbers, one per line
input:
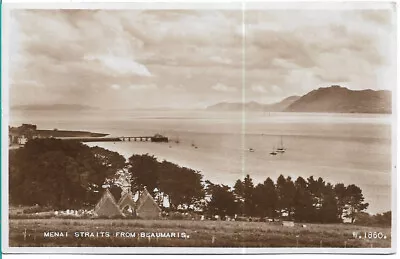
(126, 199)
(107, 205)
(146, 197)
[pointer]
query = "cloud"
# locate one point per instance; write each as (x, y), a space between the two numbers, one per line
(221, 60)
(223, 88)
(300, 50)
(121, 64)
(115, 87)
(28, 82)
(274, 89)
(259, 88)
(79, 55)
(174, 87)
(143, 87)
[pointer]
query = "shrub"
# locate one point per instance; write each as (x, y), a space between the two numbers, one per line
(36, 209)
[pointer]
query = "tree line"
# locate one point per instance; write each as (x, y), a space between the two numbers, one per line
(59, 174)
(302, 200)
(68, 174)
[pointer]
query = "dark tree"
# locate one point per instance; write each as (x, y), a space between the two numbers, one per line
(340, 193)
(113, 161)
(145, 172)
(286, 193)
(290, 194)
(259, 200)
(238, 191)
(248, 190)
(280, 188)
(265, 199)
(57, 173)
(222, 200)
(355, 202)
(381, 220)
(303, 202)
(316, 188)
(329, 208)
(384, 219)
(271, 199)
(182, 186)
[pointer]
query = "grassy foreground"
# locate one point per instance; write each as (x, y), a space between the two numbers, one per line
(30, 232)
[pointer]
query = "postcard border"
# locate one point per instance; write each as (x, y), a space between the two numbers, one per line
(4, 95)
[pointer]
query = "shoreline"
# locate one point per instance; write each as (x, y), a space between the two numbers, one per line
(353, 148)
(126, 154)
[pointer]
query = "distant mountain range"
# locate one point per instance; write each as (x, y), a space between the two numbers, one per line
(254, 106)
(52, 107)
(334, 99)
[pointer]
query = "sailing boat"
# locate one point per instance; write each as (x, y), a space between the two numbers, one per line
(281, 149)
(273, 152)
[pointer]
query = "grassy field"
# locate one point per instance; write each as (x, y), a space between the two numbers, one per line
(30, 232)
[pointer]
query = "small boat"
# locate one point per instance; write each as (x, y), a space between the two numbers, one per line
(251, 150)
(281, 149)
(273, 152)
(177, 141)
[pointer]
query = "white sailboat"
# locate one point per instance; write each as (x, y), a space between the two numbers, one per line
(281, 149)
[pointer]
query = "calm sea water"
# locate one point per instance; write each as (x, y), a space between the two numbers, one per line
(347, 148)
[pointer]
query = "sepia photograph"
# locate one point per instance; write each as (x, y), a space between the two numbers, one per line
(213, 128)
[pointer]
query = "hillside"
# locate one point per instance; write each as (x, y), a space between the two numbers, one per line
(282, 105)
(254, 106)
(336, 99)
(333, 99)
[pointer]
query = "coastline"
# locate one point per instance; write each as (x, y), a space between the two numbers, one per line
(126, 150)
(351, 148)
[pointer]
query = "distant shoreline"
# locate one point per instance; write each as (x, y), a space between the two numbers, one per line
(69, 133)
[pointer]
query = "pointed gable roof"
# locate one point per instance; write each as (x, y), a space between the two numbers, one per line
(126, 199)
(146, 198)
(107, 206)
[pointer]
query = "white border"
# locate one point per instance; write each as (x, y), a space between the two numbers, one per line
(229, 5)
(204, 5)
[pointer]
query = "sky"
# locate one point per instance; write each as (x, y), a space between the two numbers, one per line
(127, 59)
